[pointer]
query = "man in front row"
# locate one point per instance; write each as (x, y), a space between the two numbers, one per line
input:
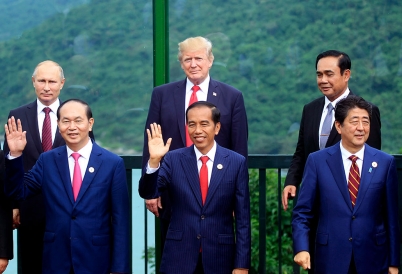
(353, 189)
(85, 195)
(207, 184)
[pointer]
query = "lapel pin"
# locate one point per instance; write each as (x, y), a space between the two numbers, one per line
(91, 169)
(219, 166)
(214, 93)
(374, 164)
(370, 170)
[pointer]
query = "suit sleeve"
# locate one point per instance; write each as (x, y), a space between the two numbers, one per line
(295, 172)
(303, 212)
(153, 117)
(242, 220)
(374, 139)
(392, 215)
(239, 132)
(6, 230)
(120, 217)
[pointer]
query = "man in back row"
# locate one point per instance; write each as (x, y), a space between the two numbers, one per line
(170, 101)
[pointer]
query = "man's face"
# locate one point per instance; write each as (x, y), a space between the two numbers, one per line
(329, 79)
(355, 129)
(196, 65)
(74, 125)
(47, 83)
(201, 128)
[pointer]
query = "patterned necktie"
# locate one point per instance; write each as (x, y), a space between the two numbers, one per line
(77, 178)
(354, 179)
(204, 178)
(46, 131)
(326, 127)
(193, 99)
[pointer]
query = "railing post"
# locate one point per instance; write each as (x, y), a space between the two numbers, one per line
(161, 76)
(262, 220)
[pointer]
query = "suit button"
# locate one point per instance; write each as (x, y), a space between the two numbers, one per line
(198, 236)
(73, 217)
(353, 217)
(202, 217)
(350, 239)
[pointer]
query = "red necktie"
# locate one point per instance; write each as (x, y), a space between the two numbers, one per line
(204, 178)
(77, 178)
(46, 131)
(354, 180)
(193, 99)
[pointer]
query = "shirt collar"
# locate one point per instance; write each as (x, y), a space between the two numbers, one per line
(210, 154)
(53, 106)
(343, 96)
(85, 152)
(203, 86)
(346, 154)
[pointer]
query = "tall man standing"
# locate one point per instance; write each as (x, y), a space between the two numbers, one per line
(209, 189)
(352, 189)
(85, 195)
(316, 126)
(170, 101)
(40, 121)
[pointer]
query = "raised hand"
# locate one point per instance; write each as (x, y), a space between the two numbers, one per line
(157, 149)
(16, 138)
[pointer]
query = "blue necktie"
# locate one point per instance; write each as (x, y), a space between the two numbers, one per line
(326, 127)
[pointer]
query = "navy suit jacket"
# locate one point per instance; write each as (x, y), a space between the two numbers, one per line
(167, 109)
(369, 231)
(210, 227)
(90, 234)
(309, 142)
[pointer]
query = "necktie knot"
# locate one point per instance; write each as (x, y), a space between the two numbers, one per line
(204, 159)
(195, 88)
(330, 107)
(353, 158)
(46, 110)
(75, 155)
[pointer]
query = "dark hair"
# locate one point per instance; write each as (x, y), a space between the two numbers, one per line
(345, 105)
(87, 108)
(215, 113)
(344, 62)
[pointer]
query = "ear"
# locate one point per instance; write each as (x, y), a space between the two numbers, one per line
(217, 128)
(338, 127)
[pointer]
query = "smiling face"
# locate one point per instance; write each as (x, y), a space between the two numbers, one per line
(196, 65)
(47, 82)
(354, 130)
(74, 125)
(201, 128)
(329, 79)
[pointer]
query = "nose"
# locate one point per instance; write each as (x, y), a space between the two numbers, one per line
(193, 63)
(46, 86)
(360, 125)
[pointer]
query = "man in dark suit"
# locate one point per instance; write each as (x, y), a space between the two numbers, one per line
(29, 215)
(352, 189)
(6, 217)
(333, 73)
(85, 195)
(208, 198)
(170, 101)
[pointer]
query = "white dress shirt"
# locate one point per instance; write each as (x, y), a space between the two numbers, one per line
(85, 153)
(347, 163)
(202, 94)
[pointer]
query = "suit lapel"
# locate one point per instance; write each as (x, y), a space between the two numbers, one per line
(179, 104)
(315, 118)
(217, 174)
(214, 94)
(95, 161)
(64, 171)
(189, 164)
(32, 117)
(366, 174)
(335, 164)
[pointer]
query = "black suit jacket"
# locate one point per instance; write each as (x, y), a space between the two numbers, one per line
(32, 209)
(6, 217)
(308, 141)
